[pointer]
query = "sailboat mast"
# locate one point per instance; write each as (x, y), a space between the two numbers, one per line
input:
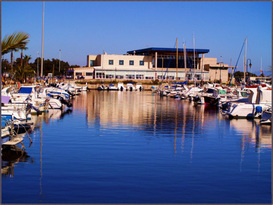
(194, 59)
(245, 61)
(42, 53)
(185, 60)
(176, 59)
(261, 66)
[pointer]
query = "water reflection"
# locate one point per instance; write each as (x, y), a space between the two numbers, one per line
(253, 133)
(150, 149)
(11, 157)
(150, 112)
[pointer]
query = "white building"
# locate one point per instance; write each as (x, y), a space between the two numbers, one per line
(150, 64)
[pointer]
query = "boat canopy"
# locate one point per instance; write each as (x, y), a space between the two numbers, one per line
(5, 99)
(25, 90)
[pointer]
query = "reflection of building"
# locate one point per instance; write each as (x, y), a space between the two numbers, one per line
(138, 109)
(152, 63)
(118, 107)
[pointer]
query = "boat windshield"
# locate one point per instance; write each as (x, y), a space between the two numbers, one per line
(25, 90)
(244, 94)
(210, 91)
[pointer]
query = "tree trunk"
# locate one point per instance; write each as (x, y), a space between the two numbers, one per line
(11, 60)
(21, 57)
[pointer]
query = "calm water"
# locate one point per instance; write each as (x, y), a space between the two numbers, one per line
(135, 147)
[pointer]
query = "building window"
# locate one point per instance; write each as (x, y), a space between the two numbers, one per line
(170, 78)
(100, 75)
(141, 62)
(149, 78)
(198, 77)
(131, 62)
(111, 62)
(119, 76)
(91, 63)
(121, 62)
(78, 73)
(88, 74)
(109, 76)
(189, 77)
(139, 76)
(130, 76)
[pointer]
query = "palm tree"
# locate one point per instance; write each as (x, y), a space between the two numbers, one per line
(23, 48)
(14, 41)
(24, 70)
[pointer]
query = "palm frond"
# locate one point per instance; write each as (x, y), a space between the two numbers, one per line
(14, 41)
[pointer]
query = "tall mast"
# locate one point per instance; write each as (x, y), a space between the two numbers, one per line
(245, 61)
(194, 58)
(261, 66)
(42, 53)
(185, 60)
(176, 59)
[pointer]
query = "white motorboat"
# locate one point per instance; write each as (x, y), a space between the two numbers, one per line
(139, 87)
(130, 87)
(112, 87)
(259, 101)
(120, 86)
(58, 102)
(191, 92)
(29, 94)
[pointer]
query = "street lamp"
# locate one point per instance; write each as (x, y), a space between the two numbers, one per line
(60, 60)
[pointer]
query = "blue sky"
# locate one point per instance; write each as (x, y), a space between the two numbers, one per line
(89, 28)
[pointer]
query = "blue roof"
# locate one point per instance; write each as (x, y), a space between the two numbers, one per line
(158, 49)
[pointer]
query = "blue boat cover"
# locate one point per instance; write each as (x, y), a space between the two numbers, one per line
(25, 90)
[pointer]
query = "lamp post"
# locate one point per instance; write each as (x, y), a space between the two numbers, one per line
(250, 65)
(60, 60)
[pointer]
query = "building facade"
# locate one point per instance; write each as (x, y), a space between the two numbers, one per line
(154, 63)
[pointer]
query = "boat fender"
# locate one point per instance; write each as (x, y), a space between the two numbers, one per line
(259, 109)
